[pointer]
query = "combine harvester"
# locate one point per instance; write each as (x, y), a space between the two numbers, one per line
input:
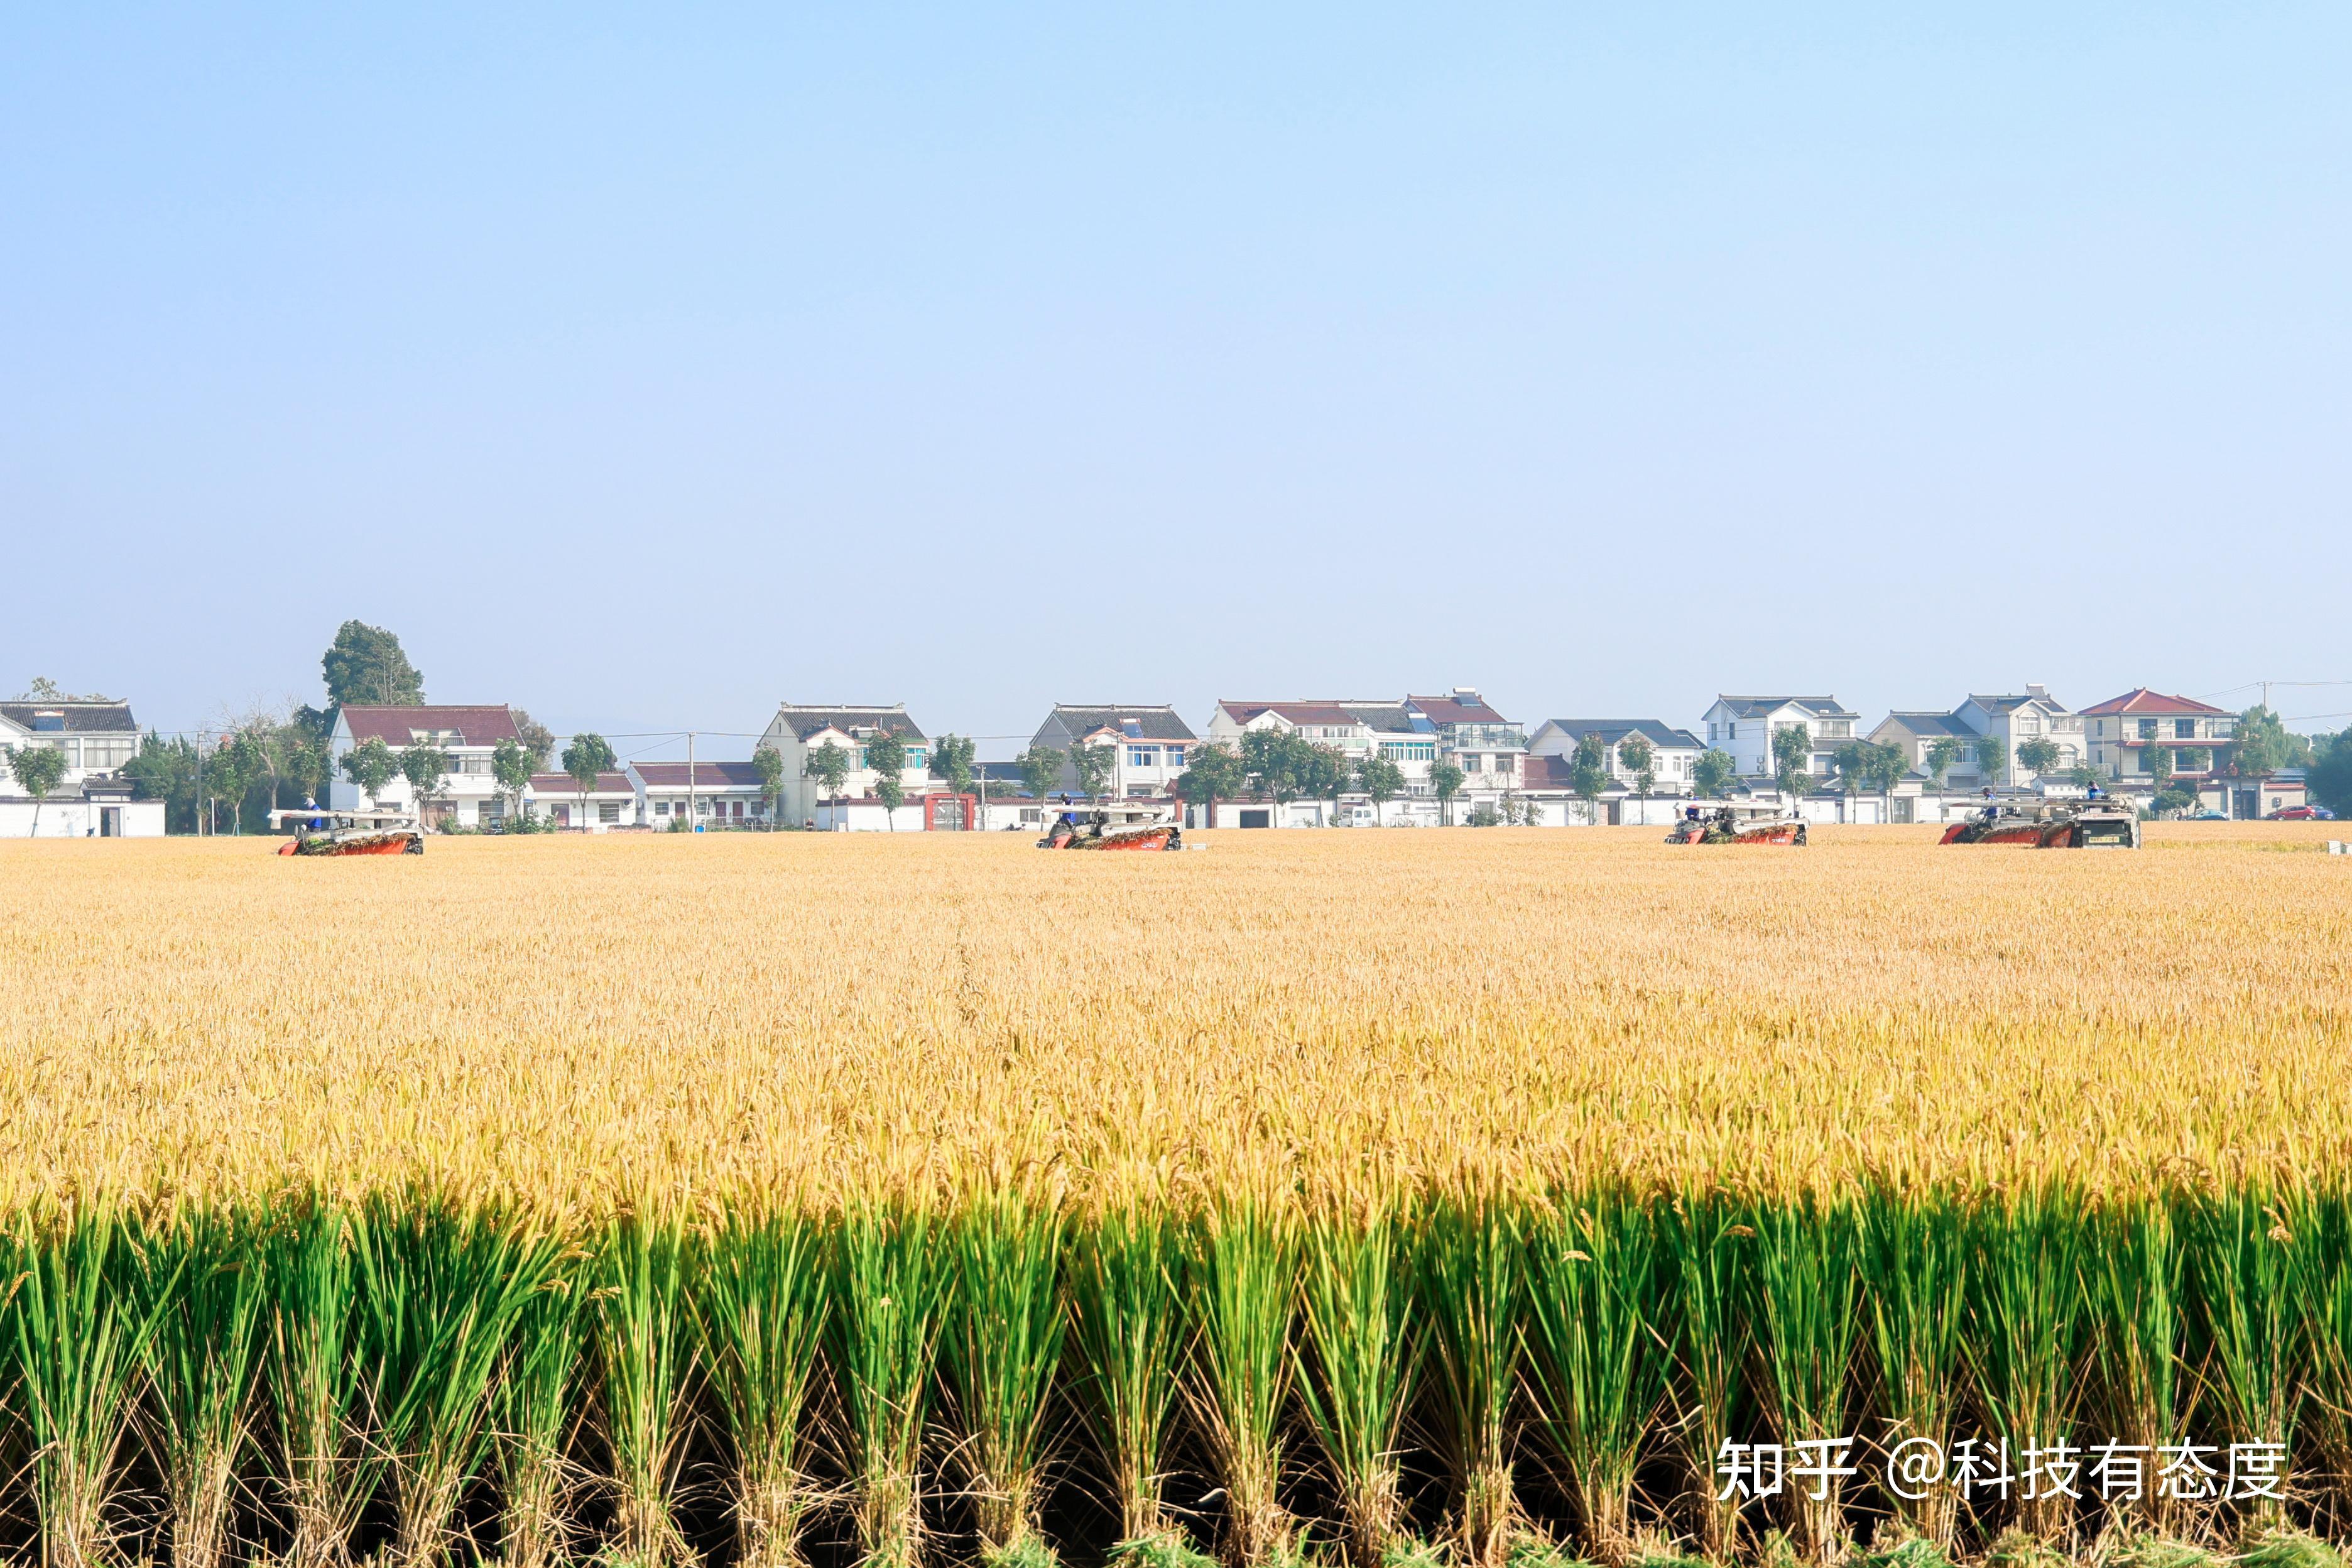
(324, 831)
(2034, 822)
(1119, 825)
(1738, 825)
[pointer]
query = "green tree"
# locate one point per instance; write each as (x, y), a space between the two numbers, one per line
(2083, 777)
(1711, 775)
(886, 753)
(1588, 771)
(768, 763)
(1213, 772)
(1887, 767)
(1854, 761)
(1640, 759)
(229, 772)
(2159, 765)
(510, 769)
(2330, 774)
(1445, 780)
(1792, 757)
(1094, 765)
(371, 765)
(37, 769)
(953, 759)
(2191, 759)
(1992, 759)
(364, 664)
(2263, 745)
(829, 765)
(1382, 780)
(425, 766)
(1324, 773)
(1041, 770)
(588, 755)
(537, 738)
(1941, 754)
(2039, 755)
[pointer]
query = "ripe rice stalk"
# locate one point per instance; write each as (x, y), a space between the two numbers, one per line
(644, 1356)
(1357, 1367)
(1127, 1312)
(1003, 1353)
(441, 1284)
(2133, 1276)
(1809, 1261)
(760, 1301)
(2026, 1320)
(535, 1405)
(79, 1326)
(1244, 1282)
(1472, 1283)
(2244, 1259)
(2321, 1221)
(200, 1281)
(1914, 1263)
(892, 1284)
(1595, 1270)
(323, 1470)
(1710, 1250)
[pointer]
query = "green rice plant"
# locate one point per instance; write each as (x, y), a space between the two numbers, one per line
(2321, 1221)
(2275, 1546)
(644, 1358)
(1243, 1280)
(1127, 1312)
(2133, 1276)
(893, 1282)
(314, 1373)
(79, 1327)
(1472, 1277)
(1161, 1549)
(1710, 1256)
(535, 1404)
(200, 1282)
(1905, 1549)
(1914, 1258)
(759, 1303)
(1003, 1352)
(1809, 1262)
(2026, 1320)
(1357, 1366)
(2244, 1259)
(2143, 1549)
(1600, 1365)
(441, 1283)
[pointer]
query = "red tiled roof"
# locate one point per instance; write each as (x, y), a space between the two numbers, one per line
(479, 726)
(706, 775)
(2140, 699)
(1449, 711)
(564, 783)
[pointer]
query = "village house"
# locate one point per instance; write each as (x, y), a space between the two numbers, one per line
(2125, 733)
(800, 730)
(1415, 734)
(1744, 727)
(2014, 720)
(467, 795)
(97, 737)
(608, 802)
(712, 795)
(1150, 745)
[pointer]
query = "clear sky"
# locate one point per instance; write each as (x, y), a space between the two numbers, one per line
(646, 365)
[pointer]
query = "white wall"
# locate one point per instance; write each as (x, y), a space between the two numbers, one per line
(80, 819)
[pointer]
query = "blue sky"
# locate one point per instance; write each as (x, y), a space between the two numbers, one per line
(646, 367)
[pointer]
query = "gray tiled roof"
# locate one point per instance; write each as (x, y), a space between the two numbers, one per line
(1153, 723)
(807, 720)
(1613, 730)
(80, 717)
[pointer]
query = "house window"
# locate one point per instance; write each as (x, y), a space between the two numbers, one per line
(2148, 729)
(1472, 763)
(608, 811)
(661, 809)
(918, 757)
(2184, 729)
(1175, 756)
(1143, 756)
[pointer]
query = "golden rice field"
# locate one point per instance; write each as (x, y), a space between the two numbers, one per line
(584, 1022)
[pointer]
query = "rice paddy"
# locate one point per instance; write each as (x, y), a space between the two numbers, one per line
(1348, 1197)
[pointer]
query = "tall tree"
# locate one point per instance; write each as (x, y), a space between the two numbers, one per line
(829, 765)
(1212, 772)
(1853, 763)
(2263, 745)
(1641, 759)
(1324, 773)
(1283, 762)
(1446, 782)
(1588, 771)
(1041, 770)
(2159, 765)
(1992, 759)
(1792, 757)
(1941, 754)
(2330, 774)
(371, 765)
(1887, 767)
(425, 766)
(37, 769)
(1381, 780)
(511, 768)
(536, 738)
(1094, 765)
(886, 753)
(2039, 755)
(1711, 775)
(768, 763)
(953, 759)
(588, 755)
(365, 664)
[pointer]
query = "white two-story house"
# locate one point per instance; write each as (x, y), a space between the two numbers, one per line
(1673, 753)
(97, 737)
(2013, 719)
(1744, 727)
(800, 730)
(467, 795)
(1150, 745)
(2125, 733)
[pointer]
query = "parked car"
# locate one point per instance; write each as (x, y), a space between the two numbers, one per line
(2302, 814)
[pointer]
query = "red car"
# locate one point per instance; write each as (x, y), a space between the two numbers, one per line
(2302, 814)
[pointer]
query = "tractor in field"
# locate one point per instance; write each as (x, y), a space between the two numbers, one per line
(320, 830)
(1738, 825)
(2098, 822)
(1116, 825)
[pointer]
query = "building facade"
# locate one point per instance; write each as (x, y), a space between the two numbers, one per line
(97, 737)
(708, 795)
(1150, 745)
(1744, 727)
(2125, 733)
(800, 730)
(2014, 719)
(1673, 752)
(466, 796)
(607, 804)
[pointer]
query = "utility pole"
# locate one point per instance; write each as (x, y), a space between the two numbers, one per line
(200, 783)
(693, 817)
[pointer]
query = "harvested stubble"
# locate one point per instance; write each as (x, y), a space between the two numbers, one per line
(1617, 1150)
